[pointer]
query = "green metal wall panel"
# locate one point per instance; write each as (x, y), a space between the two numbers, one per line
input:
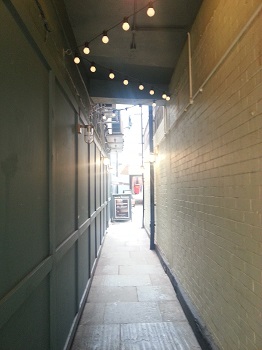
(83, 263)
(92, 177)
(98, 179)
(28, 328)
(23, 156)
(64, 166)
(65, 291)
(98, 231)
(82, 180)
(92, 243)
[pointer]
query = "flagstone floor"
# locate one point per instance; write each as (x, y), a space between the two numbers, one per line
(132, 304)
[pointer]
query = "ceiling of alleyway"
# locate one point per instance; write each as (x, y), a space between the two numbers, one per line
(147, 53)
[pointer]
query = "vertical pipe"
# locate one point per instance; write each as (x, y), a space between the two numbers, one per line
(142, 165)
(190, 69)
(152, 180)
(142, 136)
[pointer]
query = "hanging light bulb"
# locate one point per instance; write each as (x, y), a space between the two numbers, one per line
(125, 24)
(111, 74)
(164, 95)
(86, 49)
(105, 38)
(154, 103)
(152, 91)
(150, 11)
(168, 98)
(104, 117)
(125, 81)
(141, 86)
(93, 67)
(76, 59)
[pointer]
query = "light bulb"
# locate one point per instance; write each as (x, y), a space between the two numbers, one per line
(111, 74)
(86, 49)
(154, 103)
(104, 117)
(164, 95)
(125, 24)
(152, 91)
(150, 11)
(105, 38)
(76, 59)
(168, 98)
(93, 67)
(125, 82)
(141, 87)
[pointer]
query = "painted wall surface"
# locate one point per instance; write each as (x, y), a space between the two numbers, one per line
(52, 215)
(209, 174)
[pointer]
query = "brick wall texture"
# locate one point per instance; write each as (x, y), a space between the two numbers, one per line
(208, 174)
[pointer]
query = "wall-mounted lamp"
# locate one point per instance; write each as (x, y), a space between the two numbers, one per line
(88, 134)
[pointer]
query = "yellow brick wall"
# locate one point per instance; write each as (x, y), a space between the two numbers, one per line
(209, 174)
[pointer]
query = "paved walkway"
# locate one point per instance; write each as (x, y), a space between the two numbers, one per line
(132, 304)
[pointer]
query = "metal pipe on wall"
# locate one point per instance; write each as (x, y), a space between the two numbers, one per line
(152, 180)
(190, 69)
(142, 166)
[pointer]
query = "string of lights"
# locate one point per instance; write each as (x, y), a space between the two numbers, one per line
(126, 79)
(105, 39)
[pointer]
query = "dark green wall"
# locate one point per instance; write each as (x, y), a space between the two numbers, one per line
(53, 213)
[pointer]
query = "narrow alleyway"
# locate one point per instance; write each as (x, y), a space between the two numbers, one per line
(132, 304)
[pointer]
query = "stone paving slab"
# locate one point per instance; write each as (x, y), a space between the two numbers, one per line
(158, 336)
(140, 269)
(107, 294)
(122, 280)
(122, 261)
(97, 337)
(132, 312)
(107, 270)
(156, 293)
(171, 311)
(159, 279)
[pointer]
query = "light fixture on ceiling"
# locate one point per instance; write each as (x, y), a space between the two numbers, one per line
(167, 97)
(125, 24)
(154, 103)
(141, 86)
(86, 49)
(76, 59)
(105, 38)
(104, 117)
(93, 67)
(152, 91)
(125, 81)
(164, 95)
(111, 74)
(150, 11)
